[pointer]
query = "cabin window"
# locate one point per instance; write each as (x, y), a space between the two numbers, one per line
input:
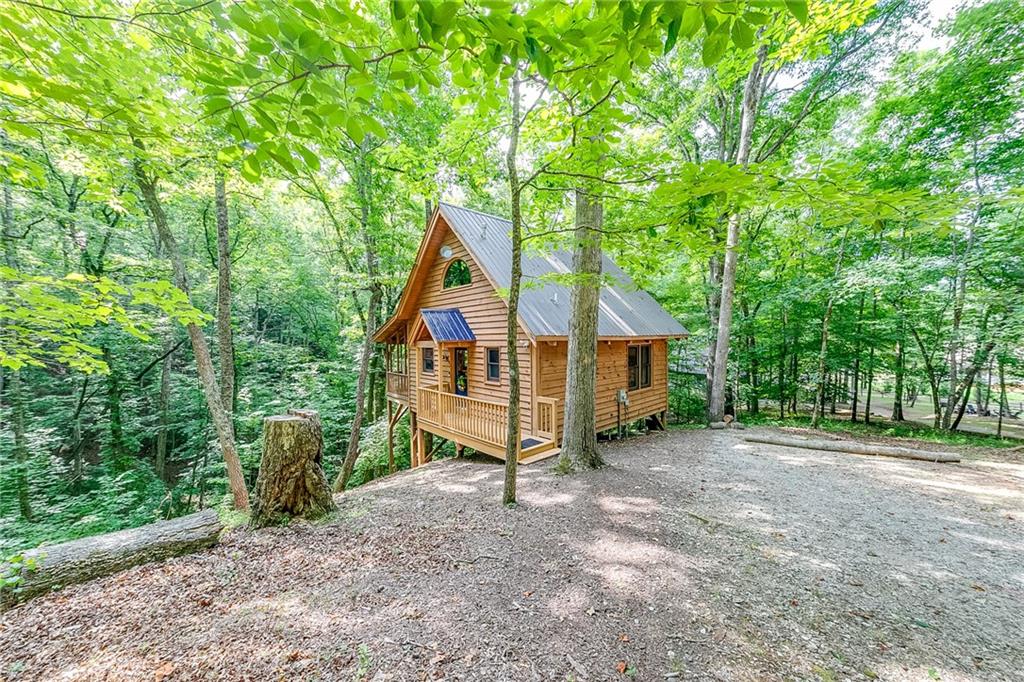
(457, 274)
(428, 360)
(493, 364)
(639, 367)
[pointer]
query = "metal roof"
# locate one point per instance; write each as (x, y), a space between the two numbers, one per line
(447, 324)
(624, 310)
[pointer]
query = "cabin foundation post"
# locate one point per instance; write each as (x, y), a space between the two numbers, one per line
(414, 437)
(391, 438)
(460, 450)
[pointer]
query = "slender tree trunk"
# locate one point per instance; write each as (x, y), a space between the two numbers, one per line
(1003, 403)
(364, 188)
(15, 388)
(856, 363)
(513, 434)
(751, 99)
(579, 443)
(782, 368)
(871, 365)
(225, 343)
(163, 409)
(901, 362)
(200, 348)
(823, 353)
(115, 420)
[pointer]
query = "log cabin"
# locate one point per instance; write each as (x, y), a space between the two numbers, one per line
(445, 345)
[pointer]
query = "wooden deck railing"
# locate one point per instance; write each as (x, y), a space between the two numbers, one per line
(483, 420)
(398, 385)
(545, 421)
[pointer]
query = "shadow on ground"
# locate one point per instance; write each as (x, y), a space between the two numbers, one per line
(692, 556)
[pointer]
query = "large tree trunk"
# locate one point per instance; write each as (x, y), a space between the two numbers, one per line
(200, 349)
(291, 481)
(512, 434)
(363, 178)
(579, 440)
(77, 561)
(751, 98)
(225, 343)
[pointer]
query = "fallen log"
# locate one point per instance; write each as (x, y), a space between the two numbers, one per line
(855, 448)
(47, 568)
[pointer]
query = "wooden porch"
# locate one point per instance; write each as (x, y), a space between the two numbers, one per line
(483, 424)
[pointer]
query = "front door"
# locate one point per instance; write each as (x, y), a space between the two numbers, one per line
(460, 370)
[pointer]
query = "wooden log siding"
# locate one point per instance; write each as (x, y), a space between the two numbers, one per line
(612, 375)
(486, 314)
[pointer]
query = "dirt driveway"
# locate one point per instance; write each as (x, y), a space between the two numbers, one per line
(692, 556)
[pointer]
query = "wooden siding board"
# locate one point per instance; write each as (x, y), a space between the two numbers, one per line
(612, 375)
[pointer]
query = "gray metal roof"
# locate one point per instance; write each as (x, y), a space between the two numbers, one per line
(624, 309)
(447, 324)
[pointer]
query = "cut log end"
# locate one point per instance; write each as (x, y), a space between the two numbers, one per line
(291, 481)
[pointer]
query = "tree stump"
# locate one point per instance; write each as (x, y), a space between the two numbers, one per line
(291, 482)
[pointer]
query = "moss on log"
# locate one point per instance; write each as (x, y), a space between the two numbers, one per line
(77, 561)
(291, 482)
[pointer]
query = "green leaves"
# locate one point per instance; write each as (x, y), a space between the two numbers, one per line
(44, 318)
(798, 8)
(715, 45)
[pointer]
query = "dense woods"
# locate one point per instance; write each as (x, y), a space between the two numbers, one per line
(208, 209)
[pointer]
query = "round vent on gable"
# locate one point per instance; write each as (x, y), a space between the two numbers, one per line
(446, 251)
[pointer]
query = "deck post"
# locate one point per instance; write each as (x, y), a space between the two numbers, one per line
(414, 437)
(391, 437)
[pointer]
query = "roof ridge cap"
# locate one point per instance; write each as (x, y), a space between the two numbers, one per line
(473, 210)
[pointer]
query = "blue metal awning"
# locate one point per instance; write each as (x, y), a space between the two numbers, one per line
(447, 325)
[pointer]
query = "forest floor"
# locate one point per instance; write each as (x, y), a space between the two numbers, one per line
(693, 555)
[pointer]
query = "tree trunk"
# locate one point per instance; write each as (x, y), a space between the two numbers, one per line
(200, 348)
(782, 368)
(291, 481)
(751, 98)
(1003, 403)
(364, 187)
(579, 442)
(854, 400)
(163, 404)
(15, 390)
(819, 413)
(901, 362)
(74, 562)
(512, 434)
(115, 420)
(225, 343)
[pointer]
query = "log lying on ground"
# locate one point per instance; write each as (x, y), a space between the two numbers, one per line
(291, 481)
(855, 448)
(80, 560)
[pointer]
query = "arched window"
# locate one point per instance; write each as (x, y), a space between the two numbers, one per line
(457, 274)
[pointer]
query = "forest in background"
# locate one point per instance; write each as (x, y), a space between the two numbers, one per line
(250, 181)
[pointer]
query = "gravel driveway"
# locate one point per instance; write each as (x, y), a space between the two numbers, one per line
(692, 556)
